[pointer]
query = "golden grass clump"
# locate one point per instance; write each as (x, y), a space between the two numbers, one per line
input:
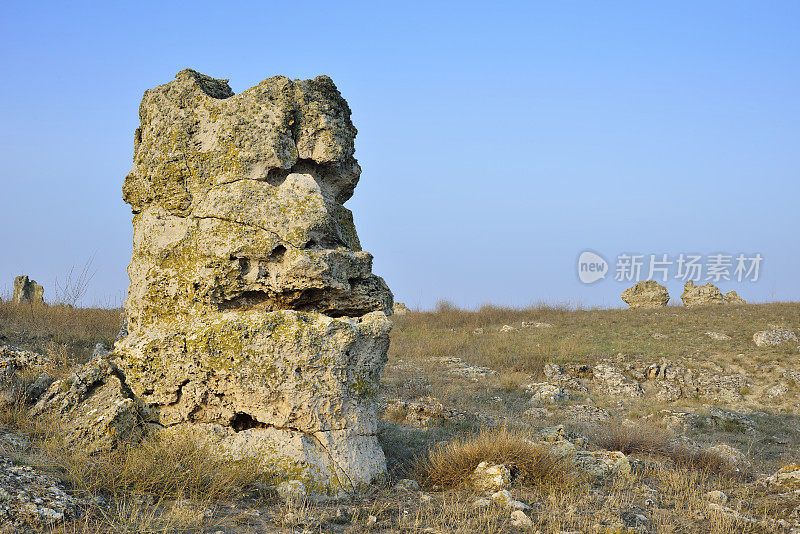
(652, 439)
(169, 467)
(451, 464)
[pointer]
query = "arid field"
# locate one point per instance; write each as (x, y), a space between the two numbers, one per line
(669, 420)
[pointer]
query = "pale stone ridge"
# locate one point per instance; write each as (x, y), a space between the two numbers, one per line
(253, 315)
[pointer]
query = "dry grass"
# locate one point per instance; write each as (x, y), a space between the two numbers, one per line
(655, 440)
(582, 335)
(451, 464)
(75, 330)
(162, 468)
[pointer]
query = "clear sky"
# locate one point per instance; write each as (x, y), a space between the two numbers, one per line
(498, 140)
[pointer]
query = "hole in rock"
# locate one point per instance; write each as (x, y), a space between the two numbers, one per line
(277, 253)
(244, 421)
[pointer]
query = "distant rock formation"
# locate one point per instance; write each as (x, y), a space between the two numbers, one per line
(731, 297)
(253, 316)
(27, 291)
(700, 295)
(646, 295)
(400, 308)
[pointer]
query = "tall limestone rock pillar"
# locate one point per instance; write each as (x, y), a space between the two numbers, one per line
(253, 316)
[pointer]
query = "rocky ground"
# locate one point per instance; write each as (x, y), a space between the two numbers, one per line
(668, 420)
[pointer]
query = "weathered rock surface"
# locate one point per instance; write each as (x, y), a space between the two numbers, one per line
(31, 501)
(27, 291)
(615, 383)
(774, 337)
(94, 408)
(700, 295)
(646, 295)
(731, 297)
(253, 315)
(14, 389)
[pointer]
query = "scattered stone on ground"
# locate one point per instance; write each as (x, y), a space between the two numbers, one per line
(775, 337)
(491, 477)
(648, 294)
(700, 295)
(549, 393)
(505, 329)
(615, 383)
(27, 291)
(31, 500)
(526, 324)
(455, 366)
(718, 336)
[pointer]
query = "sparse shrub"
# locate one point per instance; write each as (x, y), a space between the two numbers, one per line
(452, 463)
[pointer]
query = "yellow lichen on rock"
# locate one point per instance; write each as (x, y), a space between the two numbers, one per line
(252, 307)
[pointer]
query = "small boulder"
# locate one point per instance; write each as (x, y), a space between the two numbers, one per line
(507, 328)
(93, 408)
(787, 476)
(548, 393)
(520, 520)
(27, 291)
(646, 295)
(491, 477)
(700, 295)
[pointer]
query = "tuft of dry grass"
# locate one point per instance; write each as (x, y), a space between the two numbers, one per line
(161, 468)
(451, 464)
(652, 439)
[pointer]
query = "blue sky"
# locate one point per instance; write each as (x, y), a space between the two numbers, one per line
(498, 141)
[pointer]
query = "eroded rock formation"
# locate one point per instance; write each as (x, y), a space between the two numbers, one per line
(646, 295)
(253, 315)
(26, 290)
(706, 295)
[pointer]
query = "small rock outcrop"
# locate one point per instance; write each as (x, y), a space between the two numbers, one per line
(32, 501)
(774, 337)
(700, 295)
(94, 408)
(731, 297)
(27, 291)
(253, 316)
(646, 295)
